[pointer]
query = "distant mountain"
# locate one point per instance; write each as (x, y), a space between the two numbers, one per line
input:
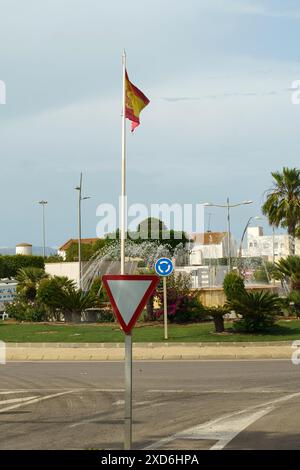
(36, 250)
(7, 251)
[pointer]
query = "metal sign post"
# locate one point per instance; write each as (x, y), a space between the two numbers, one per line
(165, 307)
(164, 267)
(128, 295)
(128, 393)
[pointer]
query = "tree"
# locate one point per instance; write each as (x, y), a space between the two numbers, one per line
(233, 286)
(74, 302)
(50, 294)
(54, 259)
(217, 314)
(87, 251)
(290, 268)
(60, 295)
(151, 228)
(28, 281)
(282, 205)
(10, 264)
(154, 229)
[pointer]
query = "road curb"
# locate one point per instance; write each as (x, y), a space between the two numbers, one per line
(146, 351)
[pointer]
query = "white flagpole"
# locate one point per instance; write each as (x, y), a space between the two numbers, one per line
(123, 189)
(128, 338)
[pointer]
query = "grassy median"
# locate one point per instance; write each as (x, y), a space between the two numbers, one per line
(284, 330)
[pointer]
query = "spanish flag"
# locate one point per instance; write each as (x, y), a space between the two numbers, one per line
(135, 102)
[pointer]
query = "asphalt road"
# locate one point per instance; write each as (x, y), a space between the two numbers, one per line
(177, 405)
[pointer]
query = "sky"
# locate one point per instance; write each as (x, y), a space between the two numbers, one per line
(218, 74)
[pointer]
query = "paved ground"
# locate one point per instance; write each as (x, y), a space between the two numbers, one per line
(177, 405)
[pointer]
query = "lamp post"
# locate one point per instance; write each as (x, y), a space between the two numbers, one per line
(228, 206)
(43, 203)
(256, 217)
(80, 198)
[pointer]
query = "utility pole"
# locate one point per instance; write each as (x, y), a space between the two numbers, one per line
(43, 203)
(80, 198)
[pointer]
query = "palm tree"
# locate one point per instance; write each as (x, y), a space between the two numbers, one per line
(60, 295)
(258, 310)
(290, 268)
(282, 205)
(74, 302)
(28, 281)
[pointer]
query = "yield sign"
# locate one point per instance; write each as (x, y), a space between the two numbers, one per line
(128, 295)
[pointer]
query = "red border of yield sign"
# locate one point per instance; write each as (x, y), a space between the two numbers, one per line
(130, 277)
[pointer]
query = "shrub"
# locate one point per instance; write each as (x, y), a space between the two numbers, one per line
(98, 290)
(23, 311)
(261, 275)
(293, 302)
(258, 311)
(233, 286)
(183, 304)
(182, 309)
(105, 315)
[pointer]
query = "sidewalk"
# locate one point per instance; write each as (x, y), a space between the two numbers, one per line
(146, 351)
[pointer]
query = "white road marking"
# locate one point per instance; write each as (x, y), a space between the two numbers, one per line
(119, 402)
(35, 400)
(83, 389)
(16, 400)
(167, 391)
(86, 421)
(226, 427)
(225, 430)
(243, 390)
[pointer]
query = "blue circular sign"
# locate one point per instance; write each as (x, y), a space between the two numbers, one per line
(164, 267)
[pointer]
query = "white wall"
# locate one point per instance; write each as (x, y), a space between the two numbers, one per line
(70, 270)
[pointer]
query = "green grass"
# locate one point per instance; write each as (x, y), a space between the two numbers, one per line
(34, 332)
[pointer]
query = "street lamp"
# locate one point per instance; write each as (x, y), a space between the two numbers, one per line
(80, 198)
(228, 206)
(256, 217)
(43, 203)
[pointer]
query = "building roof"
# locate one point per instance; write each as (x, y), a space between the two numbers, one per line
(84, 241)
(24, 244)
(208, 238)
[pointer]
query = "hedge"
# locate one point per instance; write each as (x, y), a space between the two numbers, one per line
(9, 265)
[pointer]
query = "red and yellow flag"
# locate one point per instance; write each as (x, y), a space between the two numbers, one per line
(135, 103)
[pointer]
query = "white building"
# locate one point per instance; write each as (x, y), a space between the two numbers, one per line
(24, 249)
(210, 245)
(268, 246)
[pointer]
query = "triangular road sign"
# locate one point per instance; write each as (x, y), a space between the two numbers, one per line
(128, 295)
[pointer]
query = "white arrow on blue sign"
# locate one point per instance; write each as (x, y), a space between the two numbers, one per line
(164, 267)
